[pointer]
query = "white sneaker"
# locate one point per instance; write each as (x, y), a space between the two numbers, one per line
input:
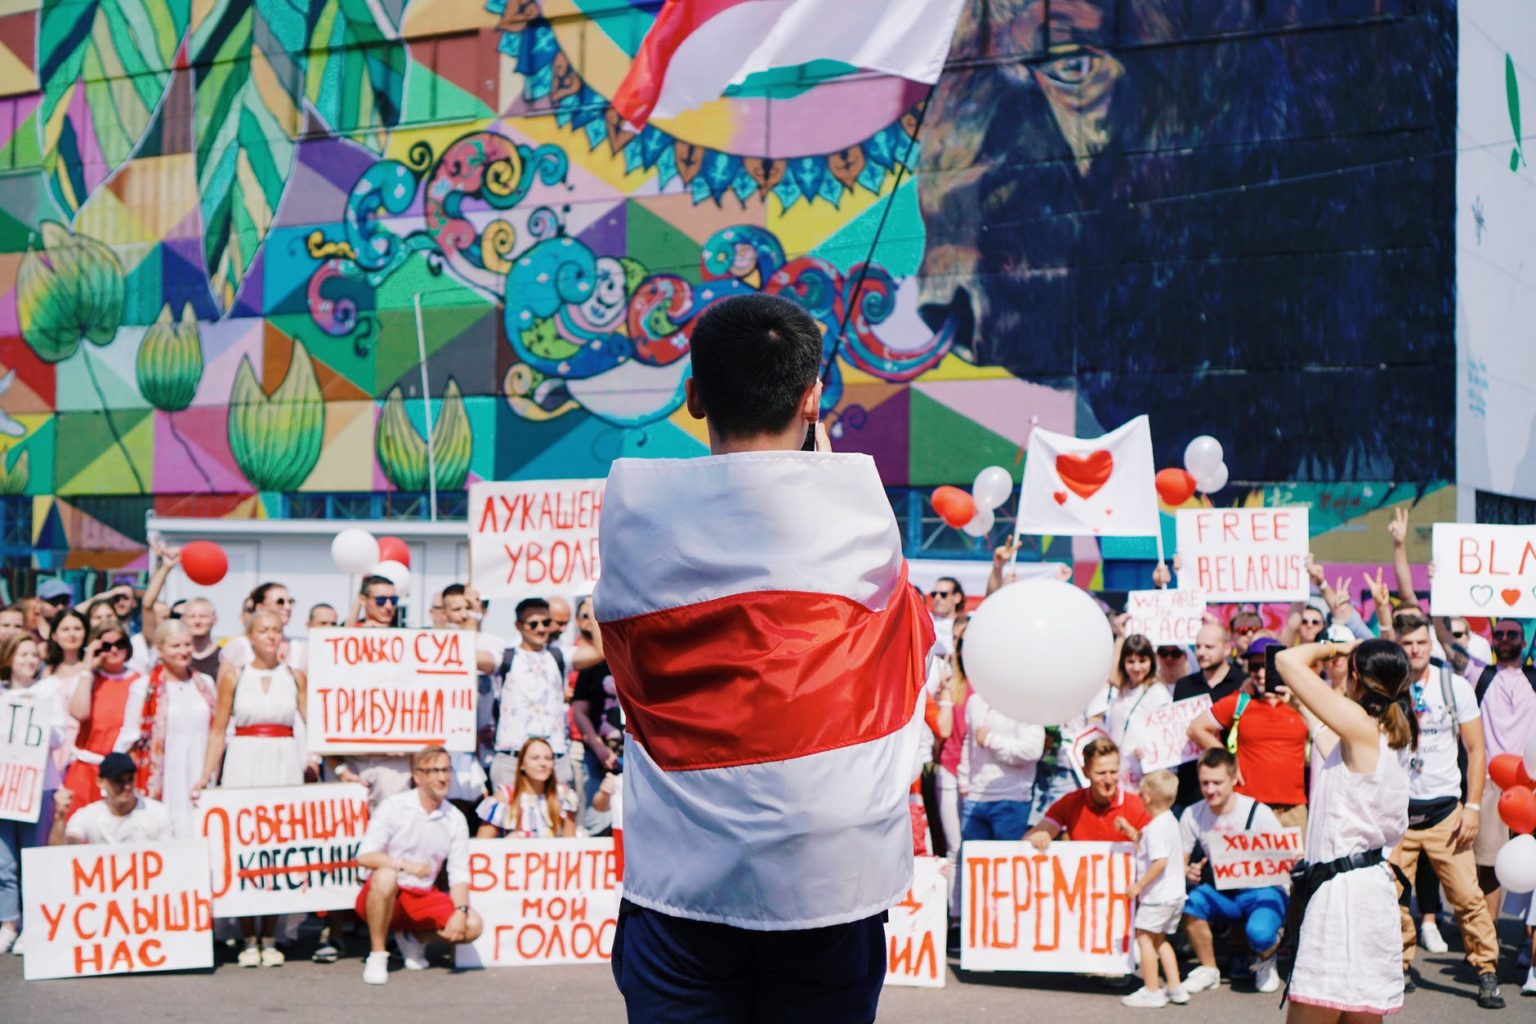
(16, 950)
(250, 956)
(1431, 939)
(8, 936)
(1201, 979)
(1265, 977)
(412, 950)
(1176, 995)
(1529, 988)
(1146, 999)
(271, 956)
(376, 969)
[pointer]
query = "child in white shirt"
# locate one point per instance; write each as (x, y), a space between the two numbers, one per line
(1158, 891)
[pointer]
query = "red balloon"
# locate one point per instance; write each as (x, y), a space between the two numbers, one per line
(204, 562)
(1508, 771)
(393, 549)
(1175, 486)
(1518, 809)
(955, 506)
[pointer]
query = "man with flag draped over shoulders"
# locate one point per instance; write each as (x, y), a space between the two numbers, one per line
(769, 655)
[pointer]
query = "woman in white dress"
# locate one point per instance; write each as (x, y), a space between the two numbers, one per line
(1136, 694)
(1343, 924)
(265, 701)
(165, 726)
(19, 664)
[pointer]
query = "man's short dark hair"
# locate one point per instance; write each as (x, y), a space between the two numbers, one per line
(1219, 757)
(754, 357)
(529, 604)
(959, 590)
(453, 590)
(373, 581)
(1409, 620)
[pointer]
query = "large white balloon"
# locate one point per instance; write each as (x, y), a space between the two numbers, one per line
(1203, 455)
(1515, 865)
(981, 523)
(1212, 481)
(1530, 758)
(992, 487)
(1038, 651)
(355, 551)
(397, 574)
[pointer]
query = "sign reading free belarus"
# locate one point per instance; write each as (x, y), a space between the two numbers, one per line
(1245, 554)
(534, 537)
(1483, 570)
(390, 691)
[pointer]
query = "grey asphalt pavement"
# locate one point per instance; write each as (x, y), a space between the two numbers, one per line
(302, 991)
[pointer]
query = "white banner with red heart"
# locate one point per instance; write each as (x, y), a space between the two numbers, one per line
(1482, 569)
(1098, 487)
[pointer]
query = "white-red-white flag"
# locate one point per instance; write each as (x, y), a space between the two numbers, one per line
(1101, 486)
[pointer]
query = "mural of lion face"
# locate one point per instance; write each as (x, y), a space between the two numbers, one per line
(1234, 215)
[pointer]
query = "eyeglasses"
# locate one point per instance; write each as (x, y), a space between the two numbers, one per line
(383, 601)
(534, 624)
(281, 601)
(1246, 629)
(121, 644)
(58, 600)
(1508, 634)
(444, 770)
(941, 593)
(1257, 665)
(1169, 652)
(1311, 622)
(1459, 634)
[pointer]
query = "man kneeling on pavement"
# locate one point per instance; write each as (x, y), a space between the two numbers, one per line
(410, 837)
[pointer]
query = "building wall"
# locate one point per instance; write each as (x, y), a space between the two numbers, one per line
(216, 220)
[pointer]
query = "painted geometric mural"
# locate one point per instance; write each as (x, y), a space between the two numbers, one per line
(228, 230)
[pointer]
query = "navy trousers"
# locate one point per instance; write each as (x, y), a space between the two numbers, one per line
(691, 972)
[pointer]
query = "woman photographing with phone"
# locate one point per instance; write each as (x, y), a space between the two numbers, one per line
(1343, 942)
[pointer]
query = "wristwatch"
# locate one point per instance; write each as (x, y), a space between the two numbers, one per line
(462, 908)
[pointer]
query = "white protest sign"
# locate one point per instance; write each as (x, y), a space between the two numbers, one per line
(1079, 743)
(1162, 735)
(915, 929)
(24, 728)
(283, 849)
(1168, 618)
(1253, 860)
(534, 537)
(390, 691)
(1245, 554)
(116, 909)
(1067, 909)
(1483, 570)
(543, 901)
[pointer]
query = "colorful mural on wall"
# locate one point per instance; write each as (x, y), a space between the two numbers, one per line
(220, 222)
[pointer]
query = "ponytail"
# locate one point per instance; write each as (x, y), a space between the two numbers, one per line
(1400, 725)
(1382, 670)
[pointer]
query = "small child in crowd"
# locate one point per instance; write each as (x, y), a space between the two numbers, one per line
(1158, 892)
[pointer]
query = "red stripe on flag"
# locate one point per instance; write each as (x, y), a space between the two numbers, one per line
(768, 676)
(637, 94)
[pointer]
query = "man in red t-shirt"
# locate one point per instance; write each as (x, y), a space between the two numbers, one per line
(1270, 739)
(1092, 814)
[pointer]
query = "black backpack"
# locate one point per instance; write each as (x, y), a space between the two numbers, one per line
(1486, 679)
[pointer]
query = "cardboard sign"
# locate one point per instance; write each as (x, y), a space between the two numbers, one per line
(283, 849)
(93, 910)
(1245, 554)
(1483, 570)
(1066, 910)
(390, 691)
(914, 930)
(543, 901)
(23, 757)
(1253, 860)
(1168, 618)
(1075, 748)
(534, 537)
(1162, 735)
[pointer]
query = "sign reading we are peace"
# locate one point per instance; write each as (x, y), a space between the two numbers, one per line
(1482, 569)
(1168, 618)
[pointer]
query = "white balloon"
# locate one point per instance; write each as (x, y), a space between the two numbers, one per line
(1515, 865)
(1202, 455)
(1212, 481)
(355, 551)
(981, 523)
(992, 487)
(1530, 758)
(1038, 651)
(396, 573)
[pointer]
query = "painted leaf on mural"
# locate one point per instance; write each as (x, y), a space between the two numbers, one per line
(14, 475)
(103, 66)
(170, 360)
(276, 440)
(403, 451)
(70, 289)
(355, 77)
(247, 93)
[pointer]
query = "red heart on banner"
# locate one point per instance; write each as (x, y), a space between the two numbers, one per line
(1511, 597)
(1060, 496)
(1085, 474)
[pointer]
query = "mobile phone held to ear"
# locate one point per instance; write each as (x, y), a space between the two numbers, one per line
(810, 439)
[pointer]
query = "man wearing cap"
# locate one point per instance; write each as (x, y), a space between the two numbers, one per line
(121, 817)
(1266, 734)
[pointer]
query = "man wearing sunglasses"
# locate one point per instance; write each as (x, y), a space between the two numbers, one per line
(530, 696)
(945, 601)
(1507, 692)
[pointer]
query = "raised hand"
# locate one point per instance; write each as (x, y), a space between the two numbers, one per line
(1316, 572)
(1342, 607)
(1005, 554)
(1378, 587)
(1398, 527)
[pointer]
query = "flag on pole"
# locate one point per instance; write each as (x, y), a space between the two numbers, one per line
(696, 49)
(768, 653)
(1100, 487)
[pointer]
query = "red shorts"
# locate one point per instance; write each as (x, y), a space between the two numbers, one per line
(416, 910)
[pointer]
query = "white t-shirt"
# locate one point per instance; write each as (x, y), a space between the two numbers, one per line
(1003, 768)
(1199, 822)
(1432, 771)
(148, 822)
(1160, 841)
(943, 636)
(405, 830)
